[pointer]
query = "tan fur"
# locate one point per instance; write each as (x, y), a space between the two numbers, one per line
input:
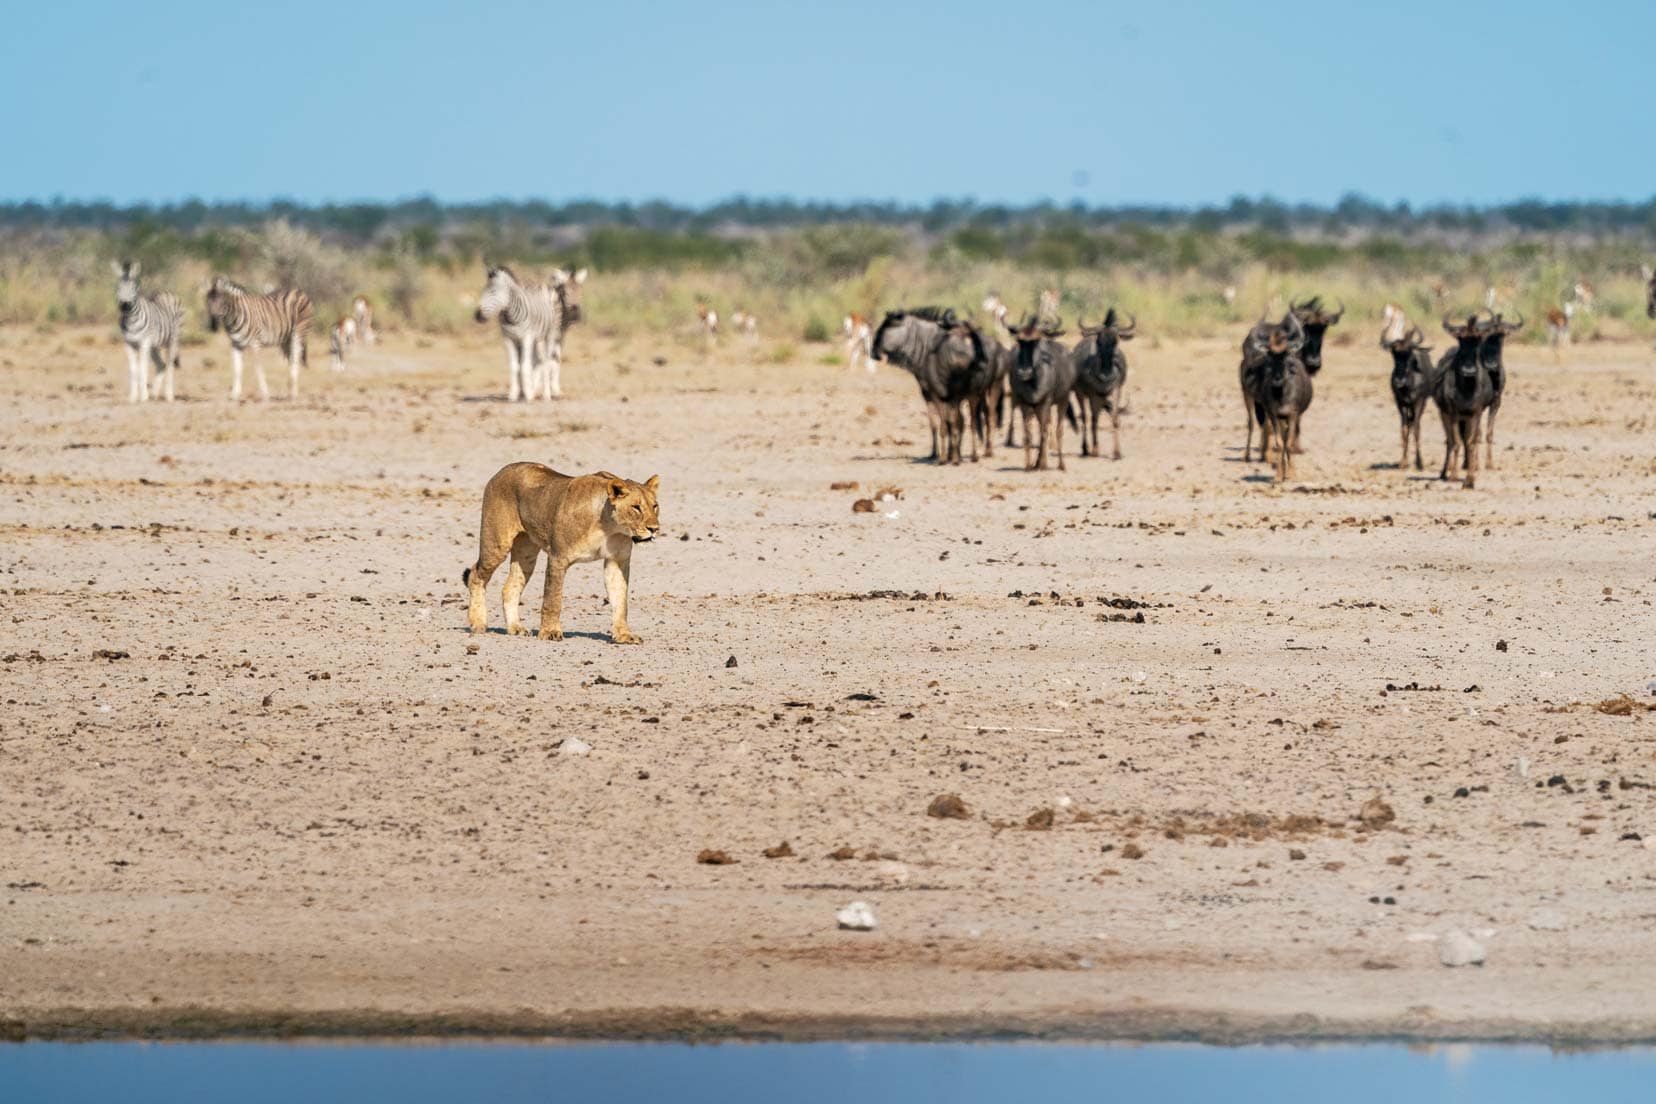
(528, 508)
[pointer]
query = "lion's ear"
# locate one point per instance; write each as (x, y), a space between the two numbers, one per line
(617, 489)
(652, 483)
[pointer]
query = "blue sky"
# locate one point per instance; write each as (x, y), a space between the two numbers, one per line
(1174, 101)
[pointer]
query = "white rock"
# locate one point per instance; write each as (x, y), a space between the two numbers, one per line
(1139, 676)
(893, 515)
(1064, 803)
(1422, 937)
(1521, 768)
(1649, 843)
(1457, 948)
(857, 916)
(574, 745)
(1547, 919)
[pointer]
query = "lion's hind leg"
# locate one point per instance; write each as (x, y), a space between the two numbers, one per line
(524, 554)
(492, 549)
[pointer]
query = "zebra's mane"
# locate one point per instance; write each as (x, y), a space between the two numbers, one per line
(510, 275)
(230, 285)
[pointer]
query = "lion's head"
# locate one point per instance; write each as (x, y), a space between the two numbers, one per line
(631, 508)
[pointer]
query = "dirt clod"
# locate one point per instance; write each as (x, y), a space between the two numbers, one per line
(947, 807)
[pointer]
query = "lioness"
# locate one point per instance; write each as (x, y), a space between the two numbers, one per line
(576, 519)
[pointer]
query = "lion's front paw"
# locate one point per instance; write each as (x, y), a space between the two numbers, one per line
(624, 636)
(551, 634)
(516, 630)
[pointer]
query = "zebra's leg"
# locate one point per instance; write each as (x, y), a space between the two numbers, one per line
(258, 371)
(235, 373)
(132, 374)
(145, 348)
(554, 387)
(172, 364)
(296, 353)
(158, 356)
(512, 376)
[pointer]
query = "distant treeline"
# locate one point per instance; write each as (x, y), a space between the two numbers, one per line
(366, 222)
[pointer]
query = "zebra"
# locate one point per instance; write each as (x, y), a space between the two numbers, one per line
(362, 316)
(563, 301)
(280, 319)
(150, 327)
(341, 338)
(526, 325)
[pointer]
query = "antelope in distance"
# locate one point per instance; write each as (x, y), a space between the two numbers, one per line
(1493, 357)
(362, 315)
(1463, 389)
(1499, 297)
(1043, 377)
(1276, 388)
(859, 336)
(340, 338)
(1101, 378)
(1558, 327)
(745, 322)
(997, 312)
(1584, 295)
(1046, 309)
(151, 327)
(1411, 380)
(1394, 325)
(709, 322)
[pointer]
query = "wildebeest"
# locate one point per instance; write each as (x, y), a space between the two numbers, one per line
(1276, 386)
(1315, 319)
(1495, 332)
(1411, 380)
(1101, 378)
(949, 361)
(1463, 389)
(1043, 375)
(1650, 291)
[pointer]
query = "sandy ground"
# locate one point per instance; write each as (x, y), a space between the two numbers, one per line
(298, 801)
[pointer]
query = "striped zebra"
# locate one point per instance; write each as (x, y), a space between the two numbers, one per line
(150, 326)
(527, 328)
(280, 319)
(563, 301)
(362, 316)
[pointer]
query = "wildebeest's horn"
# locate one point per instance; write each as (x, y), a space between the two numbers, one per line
(1514, 327)
(1339, 314)
(1449, 327)
(1130, 327)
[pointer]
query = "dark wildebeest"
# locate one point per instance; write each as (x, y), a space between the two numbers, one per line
(1316, 319)
(1650, 292)
(1101, 378)
(1495, 332)
(950, 364)
(1043, 375)
(1276, 386)
(1411, 380)
(1463, 390)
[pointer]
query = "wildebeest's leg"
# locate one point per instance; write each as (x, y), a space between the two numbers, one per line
(1115, 426)
(1058, 430)
(1448, 443)
(1029, 436)
(1489, 438)
(1469, 439)
(1247, 446)
(1098, 405)
(1047, 413)
(524, 555)
(939, 435)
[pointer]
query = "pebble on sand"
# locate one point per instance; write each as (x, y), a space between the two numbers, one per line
(574, 745)
(1457, 948)
(857, 916)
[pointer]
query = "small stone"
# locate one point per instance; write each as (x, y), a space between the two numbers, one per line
(574, 745)
(731, 662)
(1376, 813)
(1296, 854)
(947, 807)
(1547, 919)
(709, 857)
(1040, 820)
(895, 872)
(1457, 948)
(780, 851)
(857, 916)
(1132, 851)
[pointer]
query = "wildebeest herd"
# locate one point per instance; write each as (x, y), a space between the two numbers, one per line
(960, 367)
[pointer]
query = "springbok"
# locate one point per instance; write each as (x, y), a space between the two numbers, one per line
(1394, 325)
(858, 335)
(709, 321)
(745, 322)
(362, 315)
(1558, 327)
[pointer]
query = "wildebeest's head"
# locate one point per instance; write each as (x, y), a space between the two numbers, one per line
(1316, 319)
(1403, 350)
(568, 287)
(1109, 331)
(499, 282)
(1036, 346)
(1469, 338)
(906, 336)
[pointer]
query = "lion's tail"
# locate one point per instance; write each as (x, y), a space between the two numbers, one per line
(465, 577)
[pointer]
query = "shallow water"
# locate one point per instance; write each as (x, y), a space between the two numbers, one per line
(841, 1073)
